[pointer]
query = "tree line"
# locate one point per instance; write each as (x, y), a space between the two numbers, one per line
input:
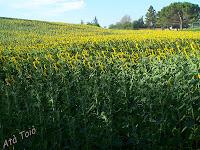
(177, 15)
(93, 22)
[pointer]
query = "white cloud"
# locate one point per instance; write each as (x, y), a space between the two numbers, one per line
(73, 5)
(50, 7)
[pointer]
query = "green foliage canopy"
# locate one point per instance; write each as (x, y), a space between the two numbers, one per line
(125, 23)
(178, 14)
(94, 22)
(151, 17)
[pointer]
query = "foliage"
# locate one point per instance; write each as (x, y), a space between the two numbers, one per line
(84, 87)
(181, 14)
(138, 23)
(151, 17)
(94, 22)
(125, 19)
(126, 23)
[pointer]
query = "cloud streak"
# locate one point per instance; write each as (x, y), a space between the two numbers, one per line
(50, 7)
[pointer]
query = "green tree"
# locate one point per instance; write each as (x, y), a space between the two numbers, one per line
(151, 17)
(141, 22)
(94, 22)
(125, 23)
(178, 14)
(125, 19)
(138, 23)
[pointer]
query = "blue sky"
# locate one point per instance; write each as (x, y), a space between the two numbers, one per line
(73, 11)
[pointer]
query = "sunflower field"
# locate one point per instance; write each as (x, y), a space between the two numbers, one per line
(84, 87)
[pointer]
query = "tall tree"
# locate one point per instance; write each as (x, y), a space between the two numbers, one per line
(151, 17)
(179, 14)
(125, 19)
(124, 23)
(138, 23)
(95, 21)
(141, 22)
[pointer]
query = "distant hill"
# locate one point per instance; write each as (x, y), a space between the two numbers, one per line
(29, 33)
(18, 24)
